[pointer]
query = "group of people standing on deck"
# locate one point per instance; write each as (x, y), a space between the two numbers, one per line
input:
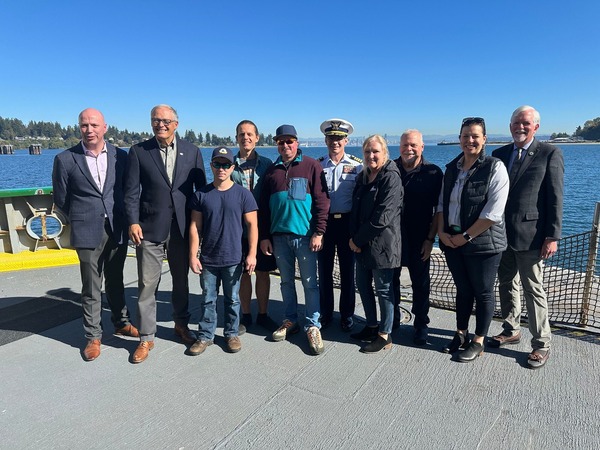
(495, 215)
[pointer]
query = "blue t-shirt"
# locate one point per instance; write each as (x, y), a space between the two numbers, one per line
(222, 223)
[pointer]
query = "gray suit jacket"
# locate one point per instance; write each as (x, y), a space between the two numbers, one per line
(77, 196)
(535, 201)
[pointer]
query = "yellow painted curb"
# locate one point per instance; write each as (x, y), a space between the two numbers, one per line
(36, 260)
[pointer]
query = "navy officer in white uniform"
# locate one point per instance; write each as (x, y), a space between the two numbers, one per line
(340, 170)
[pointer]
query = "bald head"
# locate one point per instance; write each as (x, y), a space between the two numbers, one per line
(92, 127)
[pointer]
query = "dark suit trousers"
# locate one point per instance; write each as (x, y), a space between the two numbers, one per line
(149, 259)
(108, 259)
(419, 279)
(337, 235)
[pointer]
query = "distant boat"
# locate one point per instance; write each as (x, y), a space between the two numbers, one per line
(448, 143)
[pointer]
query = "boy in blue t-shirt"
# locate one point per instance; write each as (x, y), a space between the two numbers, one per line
(218, 210)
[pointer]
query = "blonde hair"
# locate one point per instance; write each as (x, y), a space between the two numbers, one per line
(386, 153)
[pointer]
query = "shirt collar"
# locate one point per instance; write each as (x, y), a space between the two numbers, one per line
(88, 152)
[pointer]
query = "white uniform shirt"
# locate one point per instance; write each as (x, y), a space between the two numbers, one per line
(341, 179)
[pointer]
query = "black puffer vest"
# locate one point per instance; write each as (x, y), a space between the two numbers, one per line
(473, 199)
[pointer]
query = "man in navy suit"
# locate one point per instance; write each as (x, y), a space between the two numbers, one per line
(87, 182)
(162, 173)
(533, 217)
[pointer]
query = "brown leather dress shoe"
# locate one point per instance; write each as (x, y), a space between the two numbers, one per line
(141, 352)
(502, 339)
(186, 335)
(128, 330)
(92, 350)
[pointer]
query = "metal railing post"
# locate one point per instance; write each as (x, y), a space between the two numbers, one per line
(591, 267)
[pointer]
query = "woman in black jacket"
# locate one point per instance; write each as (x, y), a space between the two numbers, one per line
(375, 230)
(472, 234)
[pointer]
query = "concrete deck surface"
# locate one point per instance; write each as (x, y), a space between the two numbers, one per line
(275, 394)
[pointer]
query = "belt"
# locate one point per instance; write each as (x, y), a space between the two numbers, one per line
(338, 215)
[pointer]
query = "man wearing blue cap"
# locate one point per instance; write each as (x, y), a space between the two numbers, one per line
(340, 171)
(293, 218)
(218, 211)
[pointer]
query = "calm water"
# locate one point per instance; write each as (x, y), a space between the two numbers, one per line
(582, 180)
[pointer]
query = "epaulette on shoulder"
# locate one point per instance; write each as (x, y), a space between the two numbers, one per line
(322, 158)
(355, 158)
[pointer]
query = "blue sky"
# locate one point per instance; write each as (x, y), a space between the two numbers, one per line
(383, 65)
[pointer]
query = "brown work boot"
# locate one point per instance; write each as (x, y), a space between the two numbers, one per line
(234, 344)
(141, 352)
(92, 350)
(198, 347)
(187, 336)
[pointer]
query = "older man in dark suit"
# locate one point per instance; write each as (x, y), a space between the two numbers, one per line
(162, 173)
(87, 182)
(533, 226)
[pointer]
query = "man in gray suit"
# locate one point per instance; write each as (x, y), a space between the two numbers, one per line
(533, 226)
(162, 173)
(87, 186)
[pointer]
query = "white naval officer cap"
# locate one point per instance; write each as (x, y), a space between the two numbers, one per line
(336, 127)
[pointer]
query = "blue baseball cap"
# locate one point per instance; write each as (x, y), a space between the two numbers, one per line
(285, 130)
(222, 152)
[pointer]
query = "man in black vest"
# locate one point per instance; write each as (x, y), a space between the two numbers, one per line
(422, 182)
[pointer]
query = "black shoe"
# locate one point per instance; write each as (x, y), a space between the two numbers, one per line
(378, 345)
(367, 334)
(347, 324)
(263, 320)
(246, 320)
(471, 353)
(420, 337)
(325, 322)
(458, 342)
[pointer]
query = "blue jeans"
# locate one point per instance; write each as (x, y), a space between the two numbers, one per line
(211, 278)
(474, 277)
(384, 288)
(287, 249)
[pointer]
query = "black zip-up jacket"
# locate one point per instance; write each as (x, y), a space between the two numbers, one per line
(376, 214)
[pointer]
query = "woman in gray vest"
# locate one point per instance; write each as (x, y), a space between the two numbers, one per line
(472, 234)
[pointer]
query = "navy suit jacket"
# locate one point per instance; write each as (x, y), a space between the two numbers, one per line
(77, 196)
(535, 200)
(150, 199)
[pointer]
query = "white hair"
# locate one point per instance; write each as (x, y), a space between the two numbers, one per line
(520, 109)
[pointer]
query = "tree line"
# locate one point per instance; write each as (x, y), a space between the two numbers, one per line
(590, 131)
(53, 135)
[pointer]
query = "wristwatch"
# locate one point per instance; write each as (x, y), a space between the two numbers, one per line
(467, 237)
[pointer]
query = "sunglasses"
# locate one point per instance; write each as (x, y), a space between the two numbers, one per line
(335, 137)
(218, 165)
(167, 122)
(285, 141)
(467, 121)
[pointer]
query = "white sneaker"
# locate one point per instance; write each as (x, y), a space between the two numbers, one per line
(287, 327)
(315, 341)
